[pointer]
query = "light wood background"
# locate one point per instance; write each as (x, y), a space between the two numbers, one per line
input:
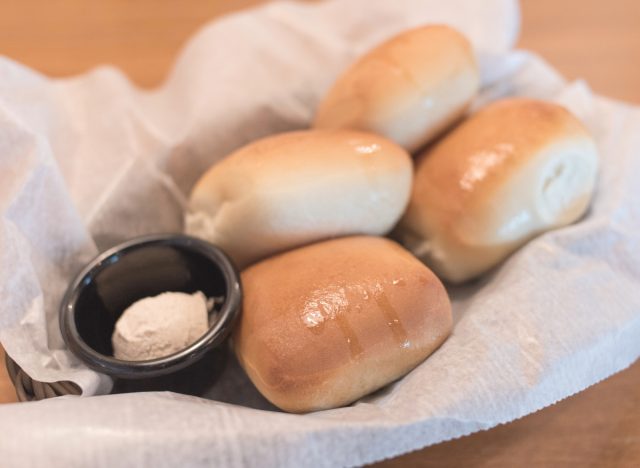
(598, 40)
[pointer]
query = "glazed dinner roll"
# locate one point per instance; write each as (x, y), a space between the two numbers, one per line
(326, 324)
(515, 169)
(295, 188)
(408, 89)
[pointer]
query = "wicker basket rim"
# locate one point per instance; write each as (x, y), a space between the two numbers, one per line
(28, 389)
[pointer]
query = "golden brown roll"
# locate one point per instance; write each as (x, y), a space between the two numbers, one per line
(326, 324)
(408, 89)
(517, 168)
(295, 188)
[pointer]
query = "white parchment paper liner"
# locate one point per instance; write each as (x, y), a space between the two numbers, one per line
(89, 161)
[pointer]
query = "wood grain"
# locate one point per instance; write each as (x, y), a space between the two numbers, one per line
(592, 39)
(67, 37)
(597, 40)
(599, 427)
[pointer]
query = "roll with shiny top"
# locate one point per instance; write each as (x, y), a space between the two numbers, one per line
(326, 324)
(514, 170)
(408, 89)
(295, 188)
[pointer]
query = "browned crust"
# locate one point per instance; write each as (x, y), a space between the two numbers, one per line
(302, 368)
(517, 128)
(417, 59)
(321, 147)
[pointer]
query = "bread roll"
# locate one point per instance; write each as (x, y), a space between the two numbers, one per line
(512, 171)
(300, 187)
(408, 89)
(326, 324)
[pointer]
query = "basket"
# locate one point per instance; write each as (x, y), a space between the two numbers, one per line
(28, 389)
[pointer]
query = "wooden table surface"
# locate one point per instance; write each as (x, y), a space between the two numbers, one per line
(593, 39)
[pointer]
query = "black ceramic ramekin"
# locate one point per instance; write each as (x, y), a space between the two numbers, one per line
(143, 267)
